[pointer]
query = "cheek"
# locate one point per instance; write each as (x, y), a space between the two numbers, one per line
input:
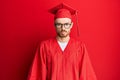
(58, 30)
(68, 30)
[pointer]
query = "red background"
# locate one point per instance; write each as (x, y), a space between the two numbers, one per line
(23, 23)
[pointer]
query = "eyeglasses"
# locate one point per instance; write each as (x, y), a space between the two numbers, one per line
(66, 25)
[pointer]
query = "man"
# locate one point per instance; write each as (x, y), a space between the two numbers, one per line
(62, 57)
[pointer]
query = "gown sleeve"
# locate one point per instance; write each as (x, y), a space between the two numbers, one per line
(86, 69)
(38, 69)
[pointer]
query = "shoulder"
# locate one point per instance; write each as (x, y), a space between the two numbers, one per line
(47, 42)
(77, 41)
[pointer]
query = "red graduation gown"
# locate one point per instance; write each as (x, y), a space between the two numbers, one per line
(51, 63)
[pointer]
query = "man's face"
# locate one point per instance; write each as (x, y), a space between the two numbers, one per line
(63, 26)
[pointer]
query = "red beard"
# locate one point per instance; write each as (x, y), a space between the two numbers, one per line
(63, 33)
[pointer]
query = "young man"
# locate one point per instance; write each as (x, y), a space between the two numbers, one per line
(62, 58)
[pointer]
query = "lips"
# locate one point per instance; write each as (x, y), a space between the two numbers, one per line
(63, 32)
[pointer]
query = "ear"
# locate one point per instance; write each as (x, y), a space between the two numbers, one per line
(71, 24)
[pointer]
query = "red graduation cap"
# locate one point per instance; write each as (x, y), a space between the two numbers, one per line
(64, 11)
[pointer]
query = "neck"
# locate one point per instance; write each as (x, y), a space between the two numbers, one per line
(63, 39)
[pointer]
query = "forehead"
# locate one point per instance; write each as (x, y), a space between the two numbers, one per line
(62, 20)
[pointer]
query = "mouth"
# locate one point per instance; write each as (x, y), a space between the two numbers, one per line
(63, 32)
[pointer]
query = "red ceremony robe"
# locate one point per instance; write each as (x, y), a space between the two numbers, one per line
(51, 63)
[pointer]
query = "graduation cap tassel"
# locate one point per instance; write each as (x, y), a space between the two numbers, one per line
(77, 24)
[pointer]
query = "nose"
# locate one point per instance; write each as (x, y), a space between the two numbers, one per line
(62, 27)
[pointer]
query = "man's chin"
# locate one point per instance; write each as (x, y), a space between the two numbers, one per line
(63, 36)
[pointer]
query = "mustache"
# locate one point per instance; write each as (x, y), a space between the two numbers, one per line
(63, 31)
